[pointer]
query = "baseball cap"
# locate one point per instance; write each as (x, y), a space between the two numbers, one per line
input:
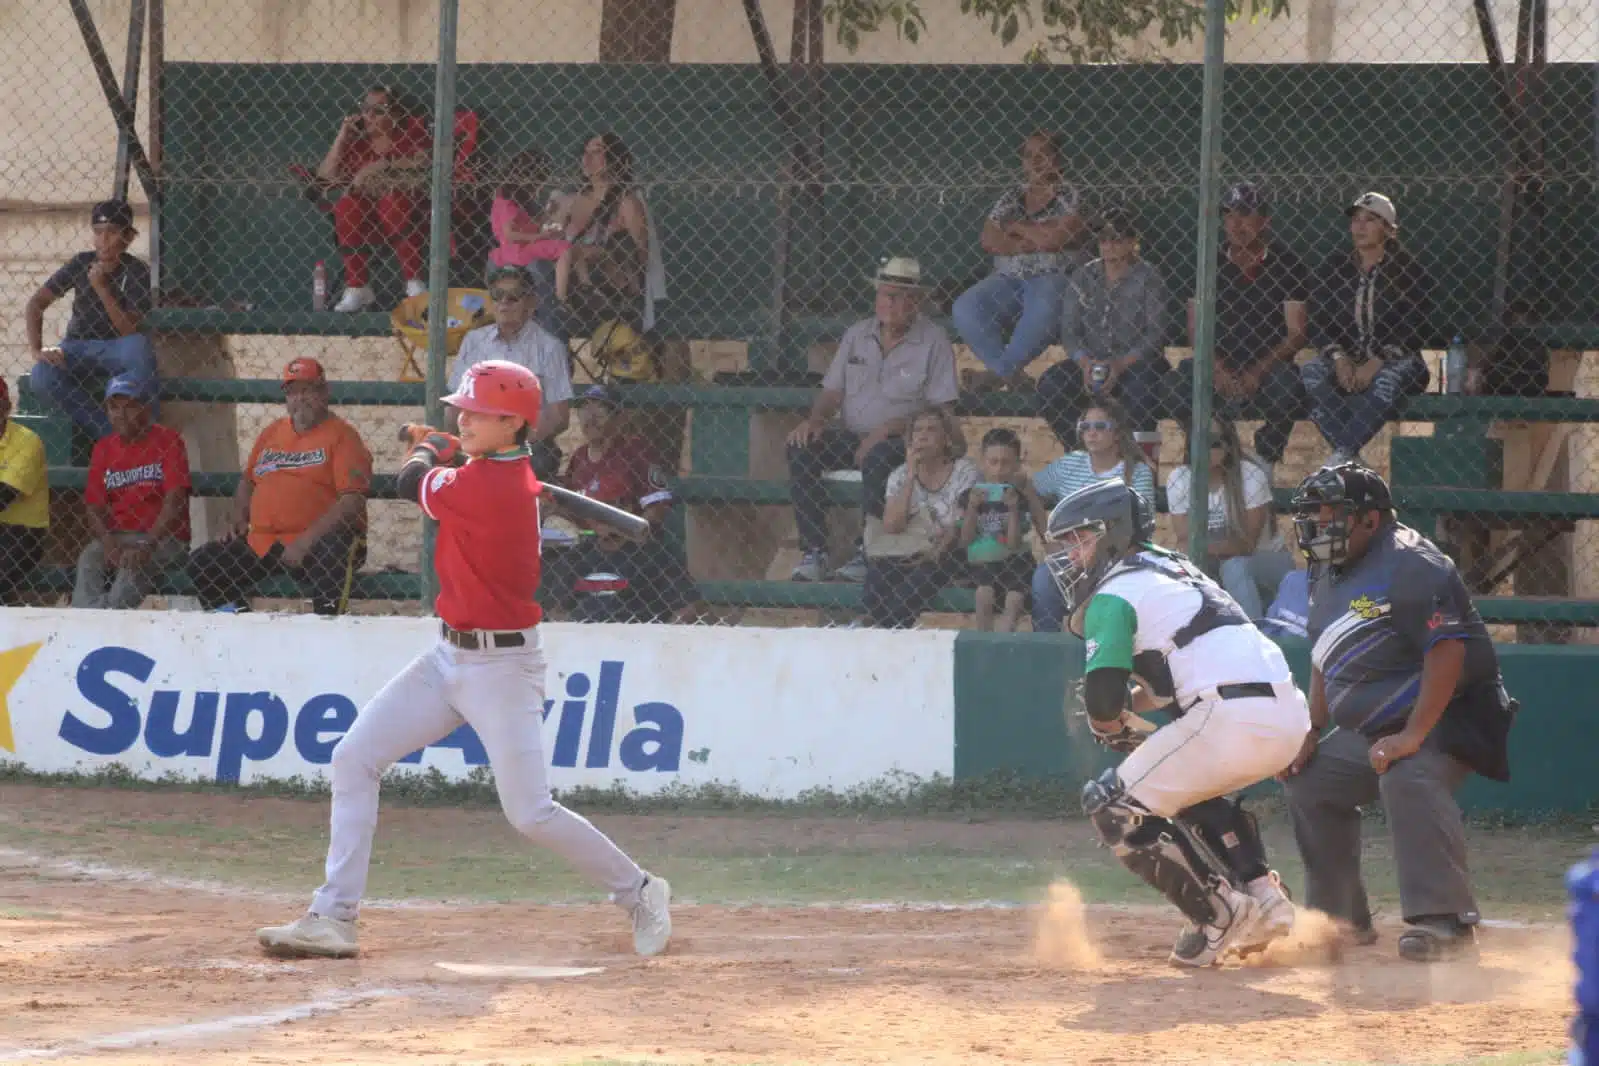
(1247, 197)
(605, 394)
(115, 212)
(304, 369)
(1377, 204)
(131, 385)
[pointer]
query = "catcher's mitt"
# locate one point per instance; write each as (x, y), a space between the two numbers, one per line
(1124, 734)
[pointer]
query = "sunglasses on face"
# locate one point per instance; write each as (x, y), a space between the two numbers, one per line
(506, 296)
(1103, 425)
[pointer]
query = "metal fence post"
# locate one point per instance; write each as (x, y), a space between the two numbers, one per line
(439, 253)
(1205, 294)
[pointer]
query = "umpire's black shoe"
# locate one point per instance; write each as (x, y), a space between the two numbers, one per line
(1437, 938)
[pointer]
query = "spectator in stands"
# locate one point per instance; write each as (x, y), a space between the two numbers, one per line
(300, 508)
(604, 577)
(381, 156)
(1108, 451)
(616, 580)
(1037, 238)
(886, 368)
(1113, 327)
(526, 220)
(1289, 613)
(514, 336)
(910, 552)
(1369, 306)
(1261, 295)
(110, 297)
(136, 502)
(24, 502)
(1245, 545)
(612, 271)
(997, 514)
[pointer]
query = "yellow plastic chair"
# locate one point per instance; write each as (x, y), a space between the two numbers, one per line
(467, 308)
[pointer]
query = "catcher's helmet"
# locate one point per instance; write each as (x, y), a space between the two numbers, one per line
(499, 387)
(1122, 520)
(1350, 490)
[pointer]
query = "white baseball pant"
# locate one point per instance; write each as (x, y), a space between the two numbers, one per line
(1217, 747)
(500, 693)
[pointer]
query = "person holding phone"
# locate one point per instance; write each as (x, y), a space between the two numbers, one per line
(997, 512)
(381, 157)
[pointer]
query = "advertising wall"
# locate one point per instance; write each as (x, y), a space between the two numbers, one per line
(236, 698)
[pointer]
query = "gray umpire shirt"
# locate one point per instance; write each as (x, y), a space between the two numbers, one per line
(1373, 624)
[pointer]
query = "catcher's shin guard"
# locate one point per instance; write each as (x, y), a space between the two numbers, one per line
(1158, 850)
(1232, 833)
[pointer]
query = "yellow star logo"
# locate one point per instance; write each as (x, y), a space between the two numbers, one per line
(12, 665)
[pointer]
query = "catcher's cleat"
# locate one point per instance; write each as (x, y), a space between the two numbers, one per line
(1276, 914)
(1199, 946)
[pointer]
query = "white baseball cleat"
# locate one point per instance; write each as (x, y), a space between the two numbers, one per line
(1203, 945)
(310, 935)
(1276, 913)
(652, 916)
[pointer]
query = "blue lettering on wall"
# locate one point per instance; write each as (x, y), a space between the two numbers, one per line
(254, 726)
(94, 685)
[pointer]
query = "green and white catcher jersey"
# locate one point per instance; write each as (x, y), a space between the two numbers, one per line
(1158, 616)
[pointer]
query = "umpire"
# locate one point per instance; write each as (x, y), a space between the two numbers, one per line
(1405, 670)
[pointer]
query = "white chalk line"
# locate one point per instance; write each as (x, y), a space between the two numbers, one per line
(197, 1030)
(132, 875)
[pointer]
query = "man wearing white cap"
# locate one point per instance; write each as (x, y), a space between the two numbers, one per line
(1368, 308)
(886, 368)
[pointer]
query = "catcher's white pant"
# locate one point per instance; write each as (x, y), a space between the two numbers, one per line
(1217, 747)
(500, 692)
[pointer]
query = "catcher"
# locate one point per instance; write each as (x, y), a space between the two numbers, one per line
(1162, 636)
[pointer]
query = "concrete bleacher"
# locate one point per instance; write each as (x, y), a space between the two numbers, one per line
(716, 209)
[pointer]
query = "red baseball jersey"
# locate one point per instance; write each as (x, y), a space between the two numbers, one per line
(487, 552)
(626, 476)
(132, 477)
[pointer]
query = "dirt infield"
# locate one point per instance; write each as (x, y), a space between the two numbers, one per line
(98, 969)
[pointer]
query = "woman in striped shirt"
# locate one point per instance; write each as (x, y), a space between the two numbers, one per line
(1108, 451)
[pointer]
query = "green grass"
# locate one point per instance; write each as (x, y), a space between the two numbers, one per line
(727, 858)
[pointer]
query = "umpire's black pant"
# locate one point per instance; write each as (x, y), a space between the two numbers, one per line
(226, 572)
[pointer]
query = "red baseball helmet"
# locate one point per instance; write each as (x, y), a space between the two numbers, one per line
(499, 387)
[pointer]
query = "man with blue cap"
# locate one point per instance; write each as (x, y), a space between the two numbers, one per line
(137, 501)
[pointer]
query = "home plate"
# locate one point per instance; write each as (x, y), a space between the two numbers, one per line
(518, 973)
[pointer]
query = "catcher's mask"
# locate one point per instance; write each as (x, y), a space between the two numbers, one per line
(1349, 490)
(1088, 532)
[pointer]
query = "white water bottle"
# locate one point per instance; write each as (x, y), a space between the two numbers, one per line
(1455, 366)
(319, 287)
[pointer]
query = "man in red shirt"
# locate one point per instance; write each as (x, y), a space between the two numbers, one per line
(487, 669)
(137, 499)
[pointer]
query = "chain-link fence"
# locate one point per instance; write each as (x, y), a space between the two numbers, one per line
(703, 201)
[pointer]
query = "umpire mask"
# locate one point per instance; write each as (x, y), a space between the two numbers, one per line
(1349, 490)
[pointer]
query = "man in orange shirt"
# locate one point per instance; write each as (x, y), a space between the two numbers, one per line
(300, 507)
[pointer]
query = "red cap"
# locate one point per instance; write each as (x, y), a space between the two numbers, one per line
(304, 369)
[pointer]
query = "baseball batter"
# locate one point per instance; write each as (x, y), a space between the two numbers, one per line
(1162, 635)
(487, 669)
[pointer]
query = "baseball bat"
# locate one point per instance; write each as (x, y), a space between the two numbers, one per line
(585, 509)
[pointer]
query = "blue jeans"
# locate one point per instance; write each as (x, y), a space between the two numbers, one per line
(1030, 305)
(1350, 419)
(79, 388)
(1049, 606)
